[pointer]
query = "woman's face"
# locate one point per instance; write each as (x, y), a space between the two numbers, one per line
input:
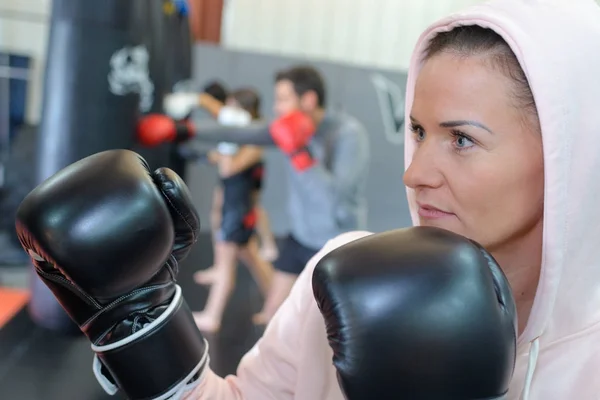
(478, 167)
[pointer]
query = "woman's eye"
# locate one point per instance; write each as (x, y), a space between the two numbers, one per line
(463, 142)
(418, 133)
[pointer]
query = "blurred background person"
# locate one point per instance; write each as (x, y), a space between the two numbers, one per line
(234, 211)
(212, 98)
(327, 193)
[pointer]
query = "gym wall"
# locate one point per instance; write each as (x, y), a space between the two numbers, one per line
(374, 96)
(24, 28)
(377, 34)
(360, 32)
(374, 34)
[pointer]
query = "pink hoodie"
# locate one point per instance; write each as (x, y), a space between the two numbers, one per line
(557, 43)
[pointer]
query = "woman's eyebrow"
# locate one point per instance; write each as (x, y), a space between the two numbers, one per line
(454, 124)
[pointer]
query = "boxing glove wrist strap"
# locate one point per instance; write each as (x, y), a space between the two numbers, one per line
(302, 159)
(184, 130)
(157, 362)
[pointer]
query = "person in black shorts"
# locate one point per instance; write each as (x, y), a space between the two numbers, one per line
(240, 171)
(213, 97)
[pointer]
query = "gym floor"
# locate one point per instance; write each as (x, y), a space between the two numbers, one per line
(36, 364)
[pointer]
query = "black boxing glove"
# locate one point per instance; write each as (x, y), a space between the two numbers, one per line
(417, 313)
(106, 235)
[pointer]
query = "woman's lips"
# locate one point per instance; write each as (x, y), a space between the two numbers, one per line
(430, 212)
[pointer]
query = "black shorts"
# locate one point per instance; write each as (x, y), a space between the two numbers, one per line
(238, 215)
(293, 256)
(258, 172)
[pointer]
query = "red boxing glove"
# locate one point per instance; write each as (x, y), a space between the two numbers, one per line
(292, 133)
(156, 129)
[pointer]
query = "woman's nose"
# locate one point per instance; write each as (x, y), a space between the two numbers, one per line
(423, 170)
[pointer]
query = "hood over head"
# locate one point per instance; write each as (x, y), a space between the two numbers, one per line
(556, 43)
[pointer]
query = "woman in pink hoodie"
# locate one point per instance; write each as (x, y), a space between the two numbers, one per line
(505, 135)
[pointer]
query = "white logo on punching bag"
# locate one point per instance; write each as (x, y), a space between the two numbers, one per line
(391, 103)
(129, 73)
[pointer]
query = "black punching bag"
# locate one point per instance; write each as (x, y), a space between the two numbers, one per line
(151, 29)
(178, 64)
(168, 35)
(103, 71)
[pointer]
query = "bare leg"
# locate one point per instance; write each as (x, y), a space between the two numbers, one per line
(268, 246)
(216, 210)
(261, 270)
(208, 275)
(280, 289)
(209, 320)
